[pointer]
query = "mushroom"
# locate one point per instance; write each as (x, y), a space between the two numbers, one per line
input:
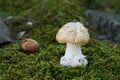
(74, 34)
(30, 45)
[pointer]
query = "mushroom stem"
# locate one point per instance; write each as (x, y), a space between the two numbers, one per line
(73, 56)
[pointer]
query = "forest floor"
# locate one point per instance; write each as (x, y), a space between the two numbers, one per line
(49, 17)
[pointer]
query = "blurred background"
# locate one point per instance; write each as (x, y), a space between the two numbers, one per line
(100, 16)
(15, 7)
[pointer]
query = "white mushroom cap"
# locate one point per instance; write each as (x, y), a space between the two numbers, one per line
(73, 32)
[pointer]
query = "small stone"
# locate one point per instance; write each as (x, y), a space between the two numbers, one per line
(29, 23)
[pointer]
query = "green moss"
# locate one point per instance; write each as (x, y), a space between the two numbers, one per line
(103, 57)
(104, 62)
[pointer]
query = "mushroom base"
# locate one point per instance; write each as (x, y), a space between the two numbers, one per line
(73, 56)
(73, 61)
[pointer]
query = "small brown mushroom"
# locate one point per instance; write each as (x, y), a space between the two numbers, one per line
(30, 45)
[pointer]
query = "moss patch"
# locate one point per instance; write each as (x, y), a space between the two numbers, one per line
(103, 57)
